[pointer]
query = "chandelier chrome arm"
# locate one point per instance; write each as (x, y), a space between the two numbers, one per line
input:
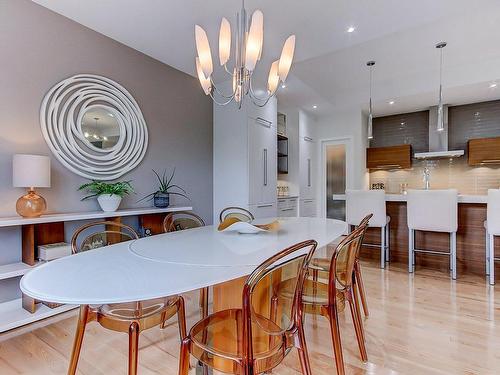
(220, 103)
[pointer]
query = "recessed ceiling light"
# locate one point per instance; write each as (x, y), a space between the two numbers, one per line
(283, 86)
(391, 102)
(493, 85)
(351, 29)
(111, 115)
(315, 106)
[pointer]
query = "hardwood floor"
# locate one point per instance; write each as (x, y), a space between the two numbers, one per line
(421, 324)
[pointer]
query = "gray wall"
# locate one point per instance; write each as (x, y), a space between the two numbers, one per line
(38, 49)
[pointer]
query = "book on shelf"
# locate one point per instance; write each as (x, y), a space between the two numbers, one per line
(53, 251)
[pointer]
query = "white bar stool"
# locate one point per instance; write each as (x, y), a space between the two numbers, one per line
(360, 203)
(433, 211)
(492, 225)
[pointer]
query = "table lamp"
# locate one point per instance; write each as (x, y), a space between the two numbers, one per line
(30, 171)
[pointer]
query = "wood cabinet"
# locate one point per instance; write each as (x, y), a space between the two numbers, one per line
(245, 158)
(388, 157)
(483, 151)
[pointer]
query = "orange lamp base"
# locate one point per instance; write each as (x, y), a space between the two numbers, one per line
(31, 205)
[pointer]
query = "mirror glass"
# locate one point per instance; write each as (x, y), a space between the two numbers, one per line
(100, 127)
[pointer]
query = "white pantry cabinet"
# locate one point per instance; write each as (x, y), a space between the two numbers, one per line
(307, 166)
(288, 207)
(245, 170)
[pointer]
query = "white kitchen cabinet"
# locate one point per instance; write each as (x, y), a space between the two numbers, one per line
(307, 208)
(262, 160)
(288, 207)
(307, 165)
(245, 153)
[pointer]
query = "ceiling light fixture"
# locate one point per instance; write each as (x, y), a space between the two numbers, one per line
(249, 40)
(391, 102)
(370, 64)
(440, 117)
(493, 85)
(283, 86)
(315, 106)
(351, 29)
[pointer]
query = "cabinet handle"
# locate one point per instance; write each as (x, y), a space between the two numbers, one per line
(308, 172)
(308, 139)
(264, 205)
(287, 209)
(263, 122)
(265, 167)
(308, 200)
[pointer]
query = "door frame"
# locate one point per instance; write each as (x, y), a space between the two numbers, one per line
(349, 157)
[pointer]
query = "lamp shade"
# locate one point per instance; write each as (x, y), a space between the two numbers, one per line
(30, 171)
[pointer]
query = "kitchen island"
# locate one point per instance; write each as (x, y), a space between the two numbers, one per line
(471, 237)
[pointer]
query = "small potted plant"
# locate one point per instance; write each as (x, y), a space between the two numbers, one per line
(161, 197)
(109, 195)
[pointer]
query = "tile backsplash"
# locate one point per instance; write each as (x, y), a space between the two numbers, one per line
(444, 174)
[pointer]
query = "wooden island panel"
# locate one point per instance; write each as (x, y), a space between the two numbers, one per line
(471, 238)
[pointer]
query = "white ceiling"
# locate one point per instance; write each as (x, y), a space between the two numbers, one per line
(330, 66)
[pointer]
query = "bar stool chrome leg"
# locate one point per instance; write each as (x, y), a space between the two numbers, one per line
(491, 247)
(382, 247)
(453, 255)
(487, 242)
(411, 244)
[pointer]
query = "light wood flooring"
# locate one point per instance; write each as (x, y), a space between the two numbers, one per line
(421, 324)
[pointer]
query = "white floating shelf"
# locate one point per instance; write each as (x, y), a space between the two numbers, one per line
(13, 315)
(8, 271)
(73, 216)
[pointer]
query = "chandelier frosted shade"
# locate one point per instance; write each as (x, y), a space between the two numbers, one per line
(286, 57)
(248, 51)
(205, 82)
(203, 49)
(224, 41)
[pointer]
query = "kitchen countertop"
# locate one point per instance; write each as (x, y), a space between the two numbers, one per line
(462, 198)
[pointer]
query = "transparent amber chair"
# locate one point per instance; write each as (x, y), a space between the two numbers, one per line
(257, 337)
(328, 297)
(182, 220)
(236, 212)
(133, 317)
(321, 266)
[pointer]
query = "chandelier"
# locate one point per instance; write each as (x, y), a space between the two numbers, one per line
(249, 40)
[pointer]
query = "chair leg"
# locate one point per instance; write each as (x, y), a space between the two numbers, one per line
(77, 344)
(181, 318)
(358, 327)
(411, 264)
(491, 245)
(184, 357)
(361, 288)
(382, 247)
(133, 348)
(302, 349)
(356, 304)
(336, 340)
(487, 243)
(454, 255)
(204, 302)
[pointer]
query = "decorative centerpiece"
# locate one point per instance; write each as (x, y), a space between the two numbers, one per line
(161, 197)
(109, 195)
(233, 224)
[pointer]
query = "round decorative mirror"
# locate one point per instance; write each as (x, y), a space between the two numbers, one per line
(94, 127)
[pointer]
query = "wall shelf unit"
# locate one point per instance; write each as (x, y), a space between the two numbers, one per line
(50, 229)
(282, 148)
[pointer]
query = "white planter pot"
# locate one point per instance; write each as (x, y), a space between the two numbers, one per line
(109, 202)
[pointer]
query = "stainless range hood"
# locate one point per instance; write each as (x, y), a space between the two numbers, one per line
(438, 141)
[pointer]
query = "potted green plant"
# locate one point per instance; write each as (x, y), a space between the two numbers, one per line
(109, 195)
(161, 197)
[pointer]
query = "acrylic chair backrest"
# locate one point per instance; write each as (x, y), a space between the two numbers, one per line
(343, 260)
(290, 267)
(236, 212)
(182, 220)
(102, 233)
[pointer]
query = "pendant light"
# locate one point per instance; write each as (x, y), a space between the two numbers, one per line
(440, 117)
(370, 64)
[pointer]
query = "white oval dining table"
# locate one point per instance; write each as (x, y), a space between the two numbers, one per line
(167, 264)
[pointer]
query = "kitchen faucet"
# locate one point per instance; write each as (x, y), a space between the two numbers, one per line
(427, 178)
